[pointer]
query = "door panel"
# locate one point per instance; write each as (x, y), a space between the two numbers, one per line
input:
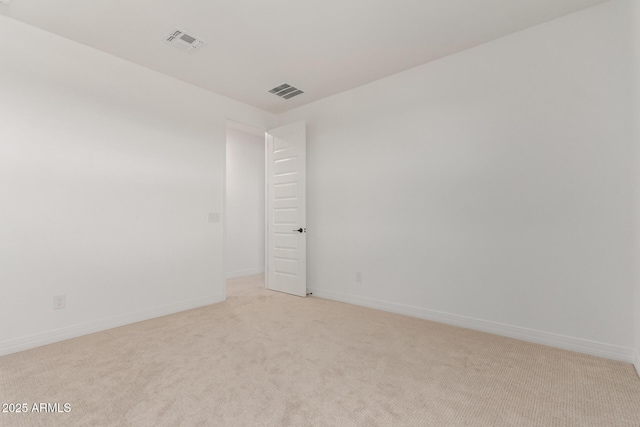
(286, 264)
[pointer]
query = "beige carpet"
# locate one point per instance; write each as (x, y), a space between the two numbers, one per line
(269, 359)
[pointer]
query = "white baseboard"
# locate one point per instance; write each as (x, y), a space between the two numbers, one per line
(636, 362)
(241, 273)
(49, 337)
(554, 340)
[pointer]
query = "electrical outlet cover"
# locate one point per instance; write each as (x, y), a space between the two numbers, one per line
(59, 301)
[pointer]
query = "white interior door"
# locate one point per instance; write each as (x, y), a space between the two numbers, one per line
(286, 238)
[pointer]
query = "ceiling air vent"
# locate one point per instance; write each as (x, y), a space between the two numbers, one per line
(184, 41)
(286, 91)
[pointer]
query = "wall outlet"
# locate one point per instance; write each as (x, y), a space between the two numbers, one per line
(59, 301)
(213, 217)
(358, 276)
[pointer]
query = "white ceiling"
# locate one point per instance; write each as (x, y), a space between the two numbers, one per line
(320, 46)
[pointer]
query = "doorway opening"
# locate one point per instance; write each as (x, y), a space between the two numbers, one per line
(244, 260)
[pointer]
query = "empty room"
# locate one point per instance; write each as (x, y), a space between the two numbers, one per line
(320, 213)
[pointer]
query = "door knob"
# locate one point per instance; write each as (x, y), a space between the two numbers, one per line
(301, 230)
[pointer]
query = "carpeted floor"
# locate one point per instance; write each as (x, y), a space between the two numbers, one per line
(268, 359)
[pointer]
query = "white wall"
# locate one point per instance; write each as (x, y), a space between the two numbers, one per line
(107, 173)
(491, 189)
(245, 204)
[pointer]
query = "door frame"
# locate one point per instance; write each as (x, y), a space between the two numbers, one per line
(251, 129)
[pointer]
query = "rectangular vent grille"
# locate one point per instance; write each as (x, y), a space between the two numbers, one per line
(187, 38)
(184, 41)
(286, 91)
